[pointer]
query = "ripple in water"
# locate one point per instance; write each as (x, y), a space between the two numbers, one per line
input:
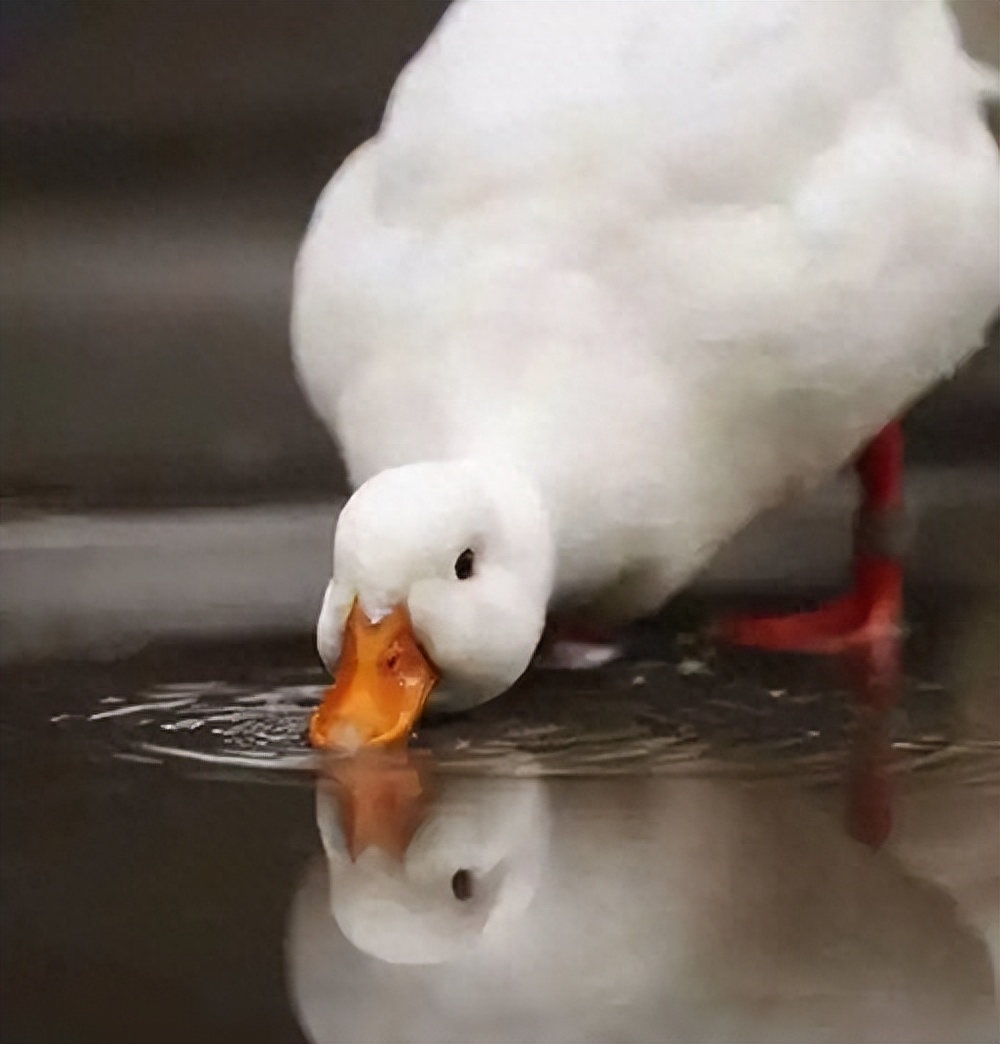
(695, 709)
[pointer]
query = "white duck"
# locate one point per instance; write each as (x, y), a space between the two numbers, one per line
(611, 279)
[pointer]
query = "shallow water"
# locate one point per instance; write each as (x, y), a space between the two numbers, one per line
(663, 849)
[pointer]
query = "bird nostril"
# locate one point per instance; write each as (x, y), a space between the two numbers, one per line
(392, 661)
(461, 885)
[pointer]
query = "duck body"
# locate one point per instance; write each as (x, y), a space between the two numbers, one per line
(667, 263)
(672, 261)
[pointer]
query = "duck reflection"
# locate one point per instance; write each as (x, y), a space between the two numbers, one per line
(637, 909)
(423, 875)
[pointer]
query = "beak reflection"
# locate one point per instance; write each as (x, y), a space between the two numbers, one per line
(382, 798)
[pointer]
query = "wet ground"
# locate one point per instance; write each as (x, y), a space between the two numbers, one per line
(663, 849)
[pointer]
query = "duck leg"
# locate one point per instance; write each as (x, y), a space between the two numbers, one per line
(869, 614)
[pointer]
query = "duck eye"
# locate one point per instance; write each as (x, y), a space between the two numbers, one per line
(461, 885)
(464, 563)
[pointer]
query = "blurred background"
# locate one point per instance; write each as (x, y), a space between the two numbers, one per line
(160, 159)
(160, 162)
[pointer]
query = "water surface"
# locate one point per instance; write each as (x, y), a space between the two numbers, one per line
(670, 848)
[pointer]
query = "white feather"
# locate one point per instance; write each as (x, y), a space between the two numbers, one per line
(671, 261)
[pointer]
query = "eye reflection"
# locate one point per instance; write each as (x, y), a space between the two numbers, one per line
(461, 885)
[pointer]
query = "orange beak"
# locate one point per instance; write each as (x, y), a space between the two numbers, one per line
(383, 681)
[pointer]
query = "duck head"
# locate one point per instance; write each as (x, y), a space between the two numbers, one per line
(442, 573)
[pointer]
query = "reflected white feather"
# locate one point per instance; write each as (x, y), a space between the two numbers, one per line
(405, 912)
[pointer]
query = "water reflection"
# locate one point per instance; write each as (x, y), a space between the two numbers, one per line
(416, 879)
(714, 906)
(647, 909)
(658, 851)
